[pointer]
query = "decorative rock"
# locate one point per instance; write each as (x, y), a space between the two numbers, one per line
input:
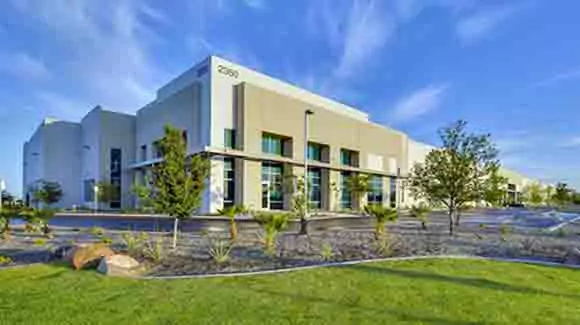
(89, 255)
(573, 257)
(119, 265)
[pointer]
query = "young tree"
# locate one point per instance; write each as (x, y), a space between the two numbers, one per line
(549, 193)
(358, 185)
(562, 194)
(47, 192)
(533, 194)
(495, 191)
(108, 192)
(421, 212)
(178, 180)
(458, 172)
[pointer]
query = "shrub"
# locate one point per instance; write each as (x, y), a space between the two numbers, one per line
(154, 249)
(382, 216)
(421, 212)
(504, 231)
(231, 213)
(106, 240)
(134, 242)
(37, 220)
(272, 223)
(6, 216)
(5, 260)
(96, 231)
(326, 252)
(40, 242)
(219, 248)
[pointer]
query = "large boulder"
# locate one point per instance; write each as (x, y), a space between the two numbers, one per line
(573, 257)
(88, 255)
(119, 265)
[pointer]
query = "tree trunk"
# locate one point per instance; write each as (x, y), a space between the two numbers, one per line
(451, 213)
(175, 224)
(303, 225)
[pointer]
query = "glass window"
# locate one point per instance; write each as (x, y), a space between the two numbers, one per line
(202, 71)
(115, 177)
(314, 188)
(272, 144)
(229, 182)
(314, 151)
(272, 192)
(393, 191)
(348, 158)
(375, 194)
(144, 152)
(89, 190)
(230, 138)
(345, 194)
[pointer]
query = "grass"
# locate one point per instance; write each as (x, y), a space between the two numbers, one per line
(455, 292)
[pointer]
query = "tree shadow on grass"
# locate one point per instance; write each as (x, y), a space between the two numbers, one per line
(409, 316)
(473, 282)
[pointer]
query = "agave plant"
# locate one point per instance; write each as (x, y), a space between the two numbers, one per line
(231, 213)
(273, 224)
(421, 212)
(382, 216)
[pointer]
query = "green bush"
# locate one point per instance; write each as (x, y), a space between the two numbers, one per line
(154, 249)
(220, 247)
(134, 242)
(382, 215)
(5, 260)
(273, 224)
(326, 252)
(96, 231)
(37, 220)
(231, 213)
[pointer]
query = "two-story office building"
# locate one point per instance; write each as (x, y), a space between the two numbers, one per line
(256, 130)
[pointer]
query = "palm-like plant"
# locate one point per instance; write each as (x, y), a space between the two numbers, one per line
(6, 215)
(421, 212)
(37, 219)
(382, 216)
(231, 213)
(273, 224)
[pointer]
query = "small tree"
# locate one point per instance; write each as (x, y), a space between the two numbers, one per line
(458, 172)
(178, 180)
(382, 216)
(421, 212)
(562, 194)
(47, 192)
(548, 195)
(108, 192)
(231, 213)
(273, 224)
(533, 194)
(495, 191)
(358, 185)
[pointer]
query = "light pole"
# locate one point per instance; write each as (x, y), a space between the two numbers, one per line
(96, 190)
(2, 188)
(303, 221)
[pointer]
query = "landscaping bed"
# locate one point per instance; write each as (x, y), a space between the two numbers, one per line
(322, 245)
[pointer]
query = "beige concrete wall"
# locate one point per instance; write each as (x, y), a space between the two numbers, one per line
(260, 110)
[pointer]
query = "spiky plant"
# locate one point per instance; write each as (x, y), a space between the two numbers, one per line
(382, 216)
(421, 212)
(231, 213)
(273, 224)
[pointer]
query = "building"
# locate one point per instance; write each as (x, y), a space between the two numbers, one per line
(253, 127)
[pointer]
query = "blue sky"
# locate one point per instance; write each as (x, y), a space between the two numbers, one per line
(511, 68)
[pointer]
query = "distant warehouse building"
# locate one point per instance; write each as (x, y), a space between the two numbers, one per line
(254, 129)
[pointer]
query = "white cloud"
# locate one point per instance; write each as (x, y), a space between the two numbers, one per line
(104, 48)
(255, 4)
(572, 142)
(24, 66)
(573, 73)
(481, 23)
(368, 28)
(61, 107)
(418, 103)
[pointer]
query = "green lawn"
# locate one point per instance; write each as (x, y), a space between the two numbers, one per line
(407, 292)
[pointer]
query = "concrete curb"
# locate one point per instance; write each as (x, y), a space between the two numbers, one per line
(338, 264)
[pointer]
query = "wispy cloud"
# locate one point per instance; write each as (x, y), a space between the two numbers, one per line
(480, 24)
(367, 30)
(571, 74)
(572, 142)
(24, 66)
(256, 4)
(418, 103)
(104, 46)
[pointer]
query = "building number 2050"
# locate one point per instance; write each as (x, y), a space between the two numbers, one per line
(227, 71)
